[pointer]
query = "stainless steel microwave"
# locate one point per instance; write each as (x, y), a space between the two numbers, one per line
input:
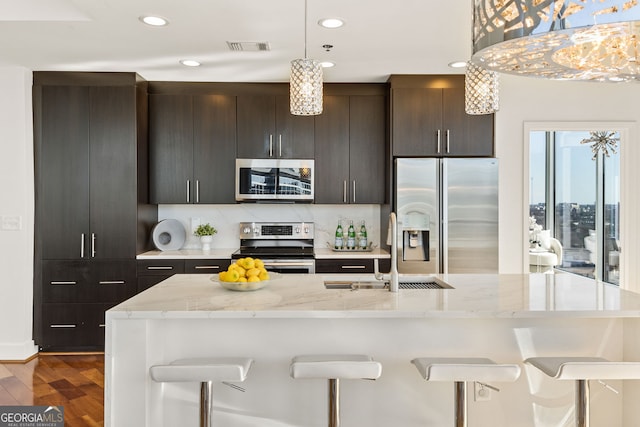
(274, 180)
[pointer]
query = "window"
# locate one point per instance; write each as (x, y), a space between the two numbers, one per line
(575, 194)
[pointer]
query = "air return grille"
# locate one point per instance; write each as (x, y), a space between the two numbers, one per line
(248, 46)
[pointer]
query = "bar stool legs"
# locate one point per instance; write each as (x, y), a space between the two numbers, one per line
(334, 402)
(582, 403)
(460, 403)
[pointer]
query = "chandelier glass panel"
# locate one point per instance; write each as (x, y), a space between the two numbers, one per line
(594, 40)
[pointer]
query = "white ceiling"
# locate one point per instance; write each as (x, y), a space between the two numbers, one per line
(381, 37)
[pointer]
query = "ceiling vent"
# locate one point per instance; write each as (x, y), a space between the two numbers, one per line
(248, 46)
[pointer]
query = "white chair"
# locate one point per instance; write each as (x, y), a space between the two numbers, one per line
(459, 370)
(544, 262)
(581, 370)
(205, 371)
(334, 368)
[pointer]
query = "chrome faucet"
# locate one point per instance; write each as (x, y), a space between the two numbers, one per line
(392, 277)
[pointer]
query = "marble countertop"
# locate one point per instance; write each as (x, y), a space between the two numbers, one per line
(320, 253)
(304, 296)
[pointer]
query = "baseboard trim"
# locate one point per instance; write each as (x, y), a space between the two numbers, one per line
(20, 352)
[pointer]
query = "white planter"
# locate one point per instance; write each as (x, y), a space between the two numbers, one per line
(206, 242)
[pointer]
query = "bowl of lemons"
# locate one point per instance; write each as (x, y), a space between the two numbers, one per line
(245, 274)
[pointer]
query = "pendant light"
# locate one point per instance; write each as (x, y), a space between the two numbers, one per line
(305, 86)
(481, 90)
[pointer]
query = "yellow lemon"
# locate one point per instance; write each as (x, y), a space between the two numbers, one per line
(232, 267)
(223, 276)
(253, 272)
(241, 271)
(253, 279)
(248, 263)
(258, 263)
(264, 275)
(241, 279)
(232, 276)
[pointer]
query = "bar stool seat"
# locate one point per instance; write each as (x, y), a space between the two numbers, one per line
(205, 371)
(581, 370)
(333, 368)
(463, 369)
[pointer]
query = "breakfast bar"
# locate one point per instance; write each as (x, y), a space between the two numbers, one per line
(506, 318)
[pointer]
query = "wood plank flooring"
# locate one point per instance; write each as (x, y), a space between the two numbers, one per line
(73, 381)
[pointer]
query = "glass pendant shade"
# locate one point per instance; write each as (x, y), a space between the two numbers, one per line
(305, 88)
(597, 40)
(481, 91)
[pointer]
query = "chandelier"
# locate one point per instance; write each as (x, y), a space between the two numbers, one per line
(597, 40)
(305, 86)
(481, 90)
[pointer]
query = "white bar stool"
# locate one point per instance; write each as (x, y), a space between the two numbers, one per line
(463, 369)
(581, 370)
(205, 371)
(334, 368)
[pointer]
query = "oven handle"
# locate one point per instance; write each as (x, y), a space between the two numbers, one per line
(287, 264)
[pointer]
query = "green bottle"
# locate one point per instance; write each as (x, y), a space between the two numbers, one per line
(363, 237)
(339, 241)
(351, 237)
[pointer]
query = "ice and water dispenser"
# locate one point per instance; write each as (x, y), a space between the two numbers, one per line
(414, 239)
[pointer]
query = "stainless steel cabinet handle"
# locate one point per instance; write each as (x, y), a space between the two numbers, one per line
(63, 283)
(354, 191)
(438, 137)
(102, 325)
(270, 145)
(344, 191)
(280, 145)
(93, 245)
(188, 191)
(111, 282)
(159, 267)
(63, 326)
(447, 141)
(82, 245)
(289, 264)
(197, 191)
(207, 267)
(353, 267)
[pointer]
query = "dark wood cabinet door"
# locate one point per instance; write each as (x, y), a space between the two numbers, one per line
(171, 149)
(214, 136)
(256, 127)
(112, 166)
(332, 151)
(62, 168)
(113, 281)
(66, 281)
(205, 266)
(417, 121)
(294, 136)
(367, 115)
(359, 265)
(468, 135)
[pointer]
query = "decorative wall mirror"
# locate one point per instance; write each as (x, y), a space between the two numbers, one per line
(574, 198)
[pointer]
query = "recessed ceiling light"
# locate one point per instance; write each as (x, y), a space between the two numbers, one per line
(331, 22)
(190, 62)
(458, 64)
(327, 64)
(156, 21)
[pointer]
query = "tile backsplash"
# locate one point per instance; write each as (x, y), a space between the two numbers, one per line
(225, 218)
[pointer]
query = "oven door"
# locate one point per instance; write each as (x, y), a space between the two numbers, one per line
(290, 266)
(274, 180)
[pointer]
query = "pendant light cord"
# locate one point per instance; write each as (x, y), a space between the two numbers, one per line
(305, 29)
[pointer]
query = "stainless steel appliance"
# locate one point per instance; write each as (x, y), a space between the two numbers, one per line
(274, 180)
(284, 247)
(447, 212)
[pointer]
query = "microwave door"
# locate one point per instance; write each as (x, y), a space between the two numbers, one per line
(257, 182)
(294, 182)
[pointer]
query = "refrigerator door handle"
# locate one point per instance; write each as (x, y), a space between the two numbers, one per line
(444, 218)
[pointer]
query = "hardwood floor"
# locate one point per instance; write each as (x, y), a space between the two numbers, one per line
(75, 382)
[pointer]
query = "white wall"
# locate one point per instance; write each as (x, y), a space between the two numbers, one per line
(16, 200)
(531, 99)
(522, 99)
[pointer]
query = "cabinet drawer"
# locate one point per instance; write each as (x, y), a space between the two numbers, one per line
(166, 267)
(355, 265)
(66, 281)
(73, 327)
(114, 280)
(205, 266)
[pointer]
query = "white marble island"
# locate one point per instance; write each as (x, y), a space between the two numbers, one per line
(504, 317)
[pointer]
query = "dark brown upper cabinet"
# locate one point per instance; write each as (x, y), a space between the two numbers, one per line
(428, 119)
(350, 150)
(267, 129)
(192, 148)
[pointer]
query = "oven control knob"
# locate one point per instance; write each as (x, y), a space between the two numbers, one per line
(297, 230)
(256, 231)
(246, 230)
(306, 230)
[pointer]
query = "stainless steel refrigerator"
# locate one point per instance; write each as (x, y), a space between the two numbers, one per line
(447, 212)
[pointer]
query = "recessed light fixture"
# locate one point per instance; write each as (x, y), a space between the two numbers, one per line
(327, 64)
(331, 22)
(155, 21)
(189, 62)
(458, 64)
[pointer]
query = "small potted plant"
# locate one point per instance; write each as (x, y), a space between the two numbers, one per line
(205, 232)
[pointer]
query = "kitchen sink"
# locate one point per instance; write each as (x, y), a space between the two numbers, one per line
(430, 283)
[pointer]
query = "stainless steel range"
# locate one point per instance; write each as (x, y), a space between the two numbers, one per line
(284, 247)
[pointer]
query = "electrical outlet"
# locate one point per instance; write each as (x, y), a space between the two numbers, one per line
(481, 392)
(11, 223)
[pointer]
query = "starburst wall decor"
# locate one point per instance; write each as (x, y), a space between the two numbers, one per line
(604, 141)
